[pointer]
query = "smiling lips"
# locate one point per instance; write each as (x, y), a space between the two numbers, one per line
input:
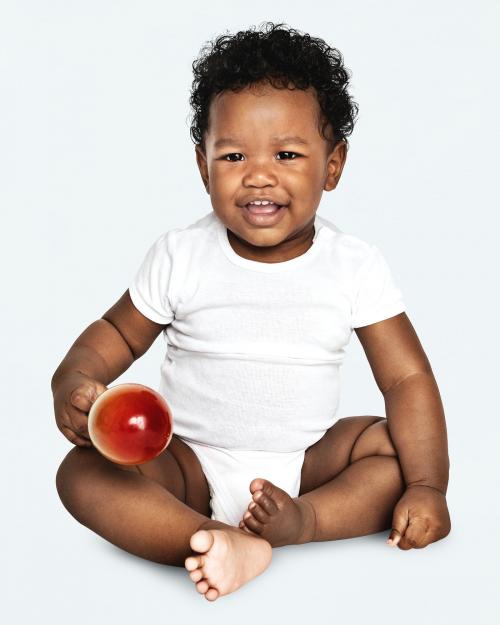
(262, 205)
(265, 214)
(262, 209)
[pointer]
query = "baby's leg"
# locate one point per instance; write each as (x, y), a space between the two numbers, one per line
(160, 511)
(361, 472)
(350, 482)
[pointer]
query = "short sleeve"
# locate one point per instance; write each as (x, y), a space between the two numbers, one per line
(376, 296)
(149, 290)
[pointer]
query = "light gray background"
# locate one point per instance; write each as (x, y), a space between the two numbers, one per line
(96, 162)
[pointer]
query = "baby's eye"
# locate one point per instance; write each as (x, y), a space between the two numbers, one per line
(289, 156)
(292, 155)
(225, 157)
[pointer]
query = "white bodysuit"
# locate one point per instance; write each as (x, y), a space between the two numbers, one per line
(251, 372)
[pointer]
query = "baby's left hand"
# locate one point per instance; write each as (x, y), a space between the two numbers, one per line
(420, 517)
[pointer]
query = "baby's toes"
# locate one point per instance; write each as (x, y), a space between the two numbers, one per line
(243, 527)
(192, 563)
(259, 514)
(196, 575)
(251, 522)
(265, 502)
(202, 586)
(212, 594)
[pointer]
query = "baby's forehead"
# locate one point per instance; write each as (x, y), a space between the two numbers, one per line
(266, 110)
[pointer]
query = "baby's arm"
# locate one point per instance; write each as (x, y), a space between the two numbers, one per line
(104, 351)
(416, 422)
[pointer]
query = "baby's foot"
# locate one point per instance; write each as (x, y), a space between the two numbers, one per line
(278, 518)
(228, 559)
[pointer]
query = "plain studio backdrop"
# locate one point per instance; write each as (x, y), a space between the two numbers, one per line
(96, 162)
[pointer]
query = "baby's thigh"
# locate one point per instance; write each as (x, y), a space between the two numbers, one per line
(177, 469)
(348, 440)
(196, 491)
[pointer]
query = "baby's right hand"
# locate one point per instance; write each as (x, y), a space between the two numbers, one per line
(73, 398)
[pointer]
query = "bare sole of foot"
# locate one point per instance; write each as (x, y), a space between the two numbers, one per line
(227, 559)
(275, 516)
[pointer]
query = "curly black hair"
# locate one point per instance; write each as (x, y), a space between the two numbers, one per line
(281, 56)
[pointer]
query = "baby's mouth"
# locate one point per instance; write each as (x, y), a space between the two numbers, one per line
(266, 209)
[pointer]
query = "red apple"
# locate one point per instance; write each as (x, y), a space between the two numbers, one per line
(130, 424)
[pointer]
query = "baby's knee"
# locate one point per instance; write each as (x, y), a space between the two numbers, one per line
(68, 476)
(65, 470)
(375, 440)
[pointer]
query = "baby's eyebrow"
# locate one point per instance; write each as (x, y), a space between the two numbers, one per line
(224, 141)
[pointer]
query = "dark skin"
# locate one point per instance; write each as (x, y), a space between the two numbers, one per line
(240, 158)
(366, 474)
(256, 163)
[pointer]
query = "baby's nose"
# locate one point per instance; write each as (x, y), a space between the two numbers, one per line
(259, 174)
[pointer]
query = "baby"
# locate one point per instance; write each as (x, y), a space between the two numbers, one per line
(257, 301)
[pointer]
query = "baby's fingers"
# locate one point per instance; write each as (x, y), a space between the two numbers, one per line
(79, 423)
(400, 520)
(416, 535)
(74, 438)
(85, 395)
(74, 425)
(394, 537)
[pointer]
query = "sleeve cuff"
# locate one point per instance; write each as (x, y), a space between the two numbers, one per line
(145, 309)
(379, 316)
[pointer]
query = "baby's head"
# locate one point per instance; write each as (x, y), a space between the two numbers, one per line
(271, 117)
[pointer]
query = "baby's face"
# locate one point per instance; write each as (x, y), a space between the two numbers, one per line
(265, 143)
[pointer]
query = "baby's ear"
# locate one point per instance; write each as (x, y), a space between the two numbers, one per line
(336, 162)
(201, 160)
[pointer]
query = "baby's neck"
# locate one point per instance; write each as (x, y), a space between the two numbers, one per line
(273, 254)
